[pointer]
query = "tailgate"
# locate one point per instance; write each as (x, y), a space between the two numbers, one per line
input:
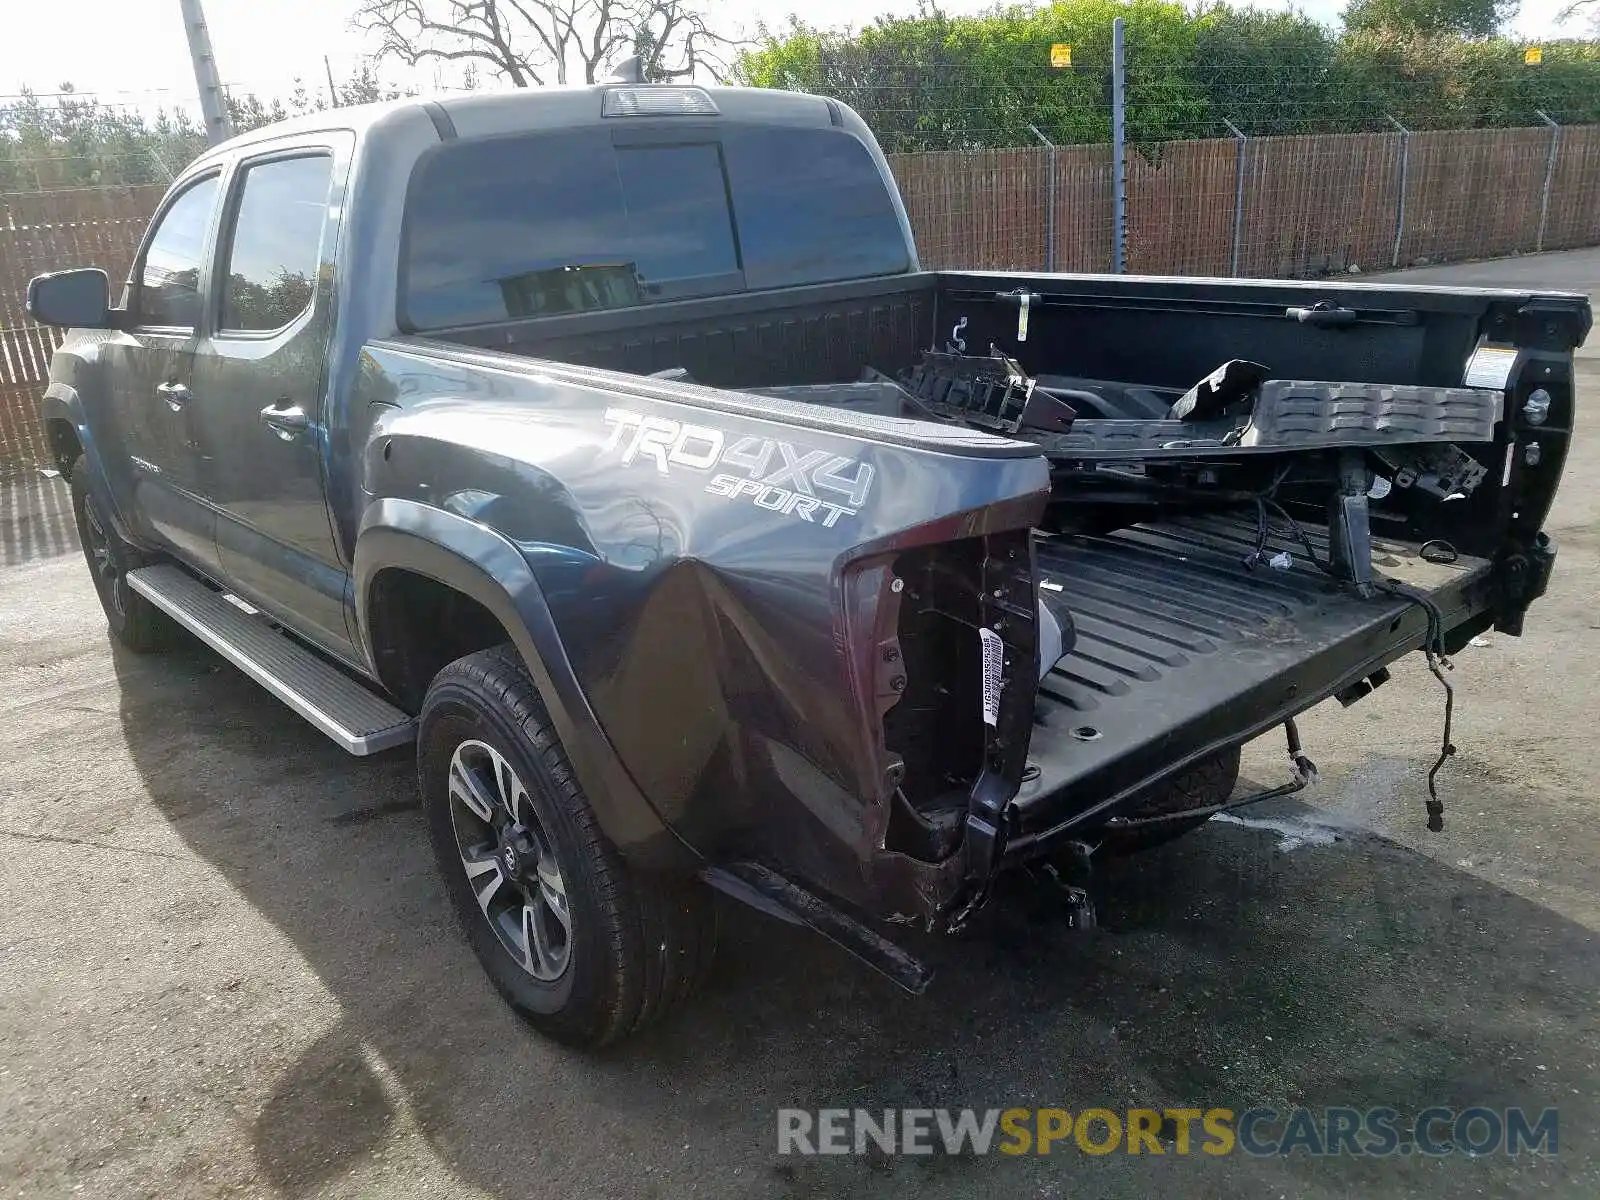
(1181, 650)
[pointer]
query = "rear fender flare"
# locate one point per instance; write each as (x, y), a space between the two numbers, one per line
(484, 565)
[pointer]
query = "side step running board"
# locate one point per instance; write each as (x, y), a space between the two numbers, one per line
(356, 718)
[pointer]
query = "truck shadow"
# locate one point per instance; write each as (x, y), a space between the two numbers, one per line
(1225, 973)
(35, 515)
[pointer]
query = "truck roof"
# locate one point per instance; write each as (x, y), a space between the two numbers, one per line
(486, 114)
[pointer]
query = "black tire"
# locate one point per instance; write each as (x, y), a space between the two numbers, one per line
(1210, 781)
(633, 945)
(133, 620)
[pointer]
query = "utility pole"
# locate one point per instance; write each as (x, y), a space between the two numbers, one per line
(213, 105)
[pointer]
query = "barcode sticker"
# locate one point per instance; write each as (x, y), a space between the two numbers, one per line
(1022, 317)
(1490, 367)
(993, 659)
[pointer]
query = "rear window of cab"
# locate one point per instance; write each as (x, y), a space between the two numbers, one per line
(564, 222)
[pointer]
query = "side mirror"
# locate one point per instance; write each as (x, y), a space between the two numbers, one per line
(79, 299)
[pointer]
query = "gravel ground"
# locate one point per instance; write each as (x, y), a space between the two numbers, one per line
(229, 970)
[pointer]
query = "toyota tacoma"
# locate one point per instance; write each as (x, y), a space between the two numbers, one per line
(611, 446)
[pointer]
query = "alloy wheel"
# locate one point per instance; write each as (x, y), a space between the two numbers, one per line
(510, 861)
(102, 560)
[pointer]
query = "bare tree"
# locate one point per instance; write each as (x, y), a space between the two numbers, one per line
(535, 42)
(1589, 8)
(674, 41)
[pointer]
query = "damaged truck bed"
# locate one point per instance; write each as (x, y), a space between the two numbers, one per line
(1181, 651)
(1183, 605)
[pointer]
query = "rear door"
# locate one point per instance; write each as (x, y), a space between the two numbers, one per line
(263, 437)
(151, 372)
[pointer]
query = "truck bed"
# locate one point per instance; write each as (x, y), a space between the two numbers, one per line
(1181, 650)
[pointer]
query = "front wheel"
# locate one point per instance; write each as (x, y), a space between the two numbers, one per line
(585, 948)
(133, 620)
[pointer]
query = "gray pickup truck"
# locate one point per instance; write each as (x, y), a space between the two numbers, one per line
(610, 445)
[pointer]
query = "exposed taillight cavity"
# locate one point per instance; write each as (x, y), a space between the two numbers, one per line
(964, 606)
(872, 604)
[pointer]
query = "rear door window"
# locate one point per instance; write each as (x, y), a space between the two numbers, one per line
(276, 242)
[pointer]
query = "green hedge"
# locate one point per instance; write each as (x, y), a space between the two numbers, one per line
(934, 82)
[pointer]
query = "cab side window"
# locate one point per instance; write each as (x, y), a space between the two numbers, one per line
(276, 243)
(168, 295)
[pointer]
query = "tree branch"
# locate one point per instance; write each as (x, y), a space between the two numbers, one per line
(552, 39)
(521, 39)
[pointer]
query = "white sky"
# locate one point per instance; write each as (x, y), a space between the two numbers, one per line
(136, 48)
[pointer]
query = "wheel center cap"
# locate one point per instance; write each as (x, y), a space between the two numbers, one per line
(518, 855)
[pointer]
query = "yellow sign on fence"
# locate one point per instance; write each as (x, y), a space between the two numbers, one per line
(1533, 56)
(1060, 55)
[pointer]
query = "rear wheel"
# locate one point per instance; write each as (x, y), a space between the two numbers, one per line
(1209, 782)
(582, 946)
(133, 620)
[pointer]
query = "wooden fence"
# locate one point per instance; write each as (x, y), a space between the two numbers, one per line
(1287, 207)
(988, 209)
(1283, 207)
(44, 231)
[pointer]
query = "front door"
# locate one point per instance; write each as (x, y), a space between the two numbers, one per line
(262, 437)
(150, 370)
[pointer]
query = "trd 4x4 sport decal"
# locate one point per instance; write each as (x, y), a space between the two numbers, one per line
(809, 485)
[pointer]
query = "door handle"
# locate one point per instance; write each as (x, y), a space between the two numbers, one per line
(286, 420)
(175, 394)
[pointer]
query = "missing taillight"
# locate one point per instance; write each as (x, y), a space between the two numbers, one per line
(968, 634)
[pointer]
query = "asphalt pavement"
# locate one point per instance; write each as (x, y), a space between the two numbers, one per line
(227, 968)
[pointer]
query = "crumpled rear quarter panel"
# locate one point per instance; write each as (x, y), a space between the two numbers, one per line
(701, 601)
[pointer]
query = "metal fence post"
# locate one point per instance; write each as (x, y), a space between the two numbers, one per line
(1238, 193)
(1050, 202)
(1400, 205)
(1119, 198)
(1549, 174)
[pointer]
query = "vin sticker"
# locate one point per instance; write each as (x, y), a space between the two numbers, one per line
(1490, 367)
(993, 658)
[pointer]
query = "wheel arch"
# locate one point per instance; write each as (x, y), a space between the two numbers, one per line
(62, 413)
(69, 438)
(403, 539)
(61, 435)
